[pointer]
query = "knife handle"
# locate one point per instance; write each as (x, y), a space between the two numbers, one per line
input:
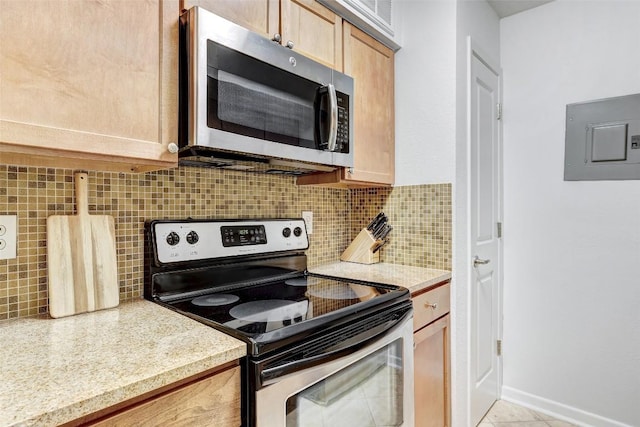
(374, 222)
(379, 246)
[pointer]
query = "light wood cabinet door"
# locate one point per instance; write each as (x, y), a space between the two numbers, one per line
(211, 402)
(431, 374)
(260, 16)
(88, 81)
(371, 64)
(314, 30)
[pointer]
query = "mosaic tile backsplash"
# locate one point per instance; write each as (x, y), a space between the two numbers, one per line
(421, 219)
(420, 215)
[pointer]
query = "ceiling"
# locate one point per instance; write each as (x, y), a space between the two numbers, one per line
(509, 7)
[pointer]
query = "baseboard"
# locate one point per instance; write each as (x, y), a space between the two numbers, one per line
(558, 410)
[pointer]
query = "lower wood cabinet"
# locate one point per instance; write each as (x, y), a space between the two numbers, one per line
(431, 358)
(212, 401)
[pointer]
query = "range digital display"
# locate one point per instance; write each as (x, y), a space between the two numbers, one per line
(243, 235)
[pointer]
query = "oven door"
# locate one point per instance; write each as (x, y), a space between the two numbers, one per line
(373, 386)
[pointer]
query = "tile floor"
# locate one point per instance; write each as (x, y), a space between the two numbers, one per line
(506, 414)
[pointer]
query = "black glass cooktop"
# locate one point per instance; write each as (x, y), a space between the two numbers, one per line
(274, 311)
(263, 308)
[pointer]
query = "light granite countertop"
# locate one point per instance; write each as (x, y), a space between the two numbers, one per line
(57, 370)
(413, 278)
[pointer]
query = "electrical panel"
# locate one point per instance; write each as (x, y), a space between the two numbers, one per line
(602, 140)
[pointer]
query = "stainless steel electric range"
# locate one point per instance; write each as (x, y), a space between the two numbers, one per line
(320, 350)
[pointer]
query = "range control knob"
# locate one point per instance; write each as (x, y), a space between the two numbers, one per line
(297, 231)
(192, 237)
(173, 238)
(286, 232)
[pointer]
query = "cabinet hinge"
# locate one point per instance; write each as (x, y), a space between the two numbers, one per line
(499, 111)
(499, 347)
(499, 229)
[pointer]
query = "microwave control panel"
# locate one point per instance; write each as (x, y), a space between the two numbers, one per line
(342, 140)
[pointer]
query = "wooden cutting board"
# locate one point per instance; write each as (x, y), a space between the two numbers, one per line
(81, 258)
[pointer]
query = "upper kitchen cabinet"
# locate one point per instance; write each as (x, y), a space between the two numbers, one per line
(375, 17)
(371, 64)
(315, 31)
(89, 84)
(304, 25)
(260, 16)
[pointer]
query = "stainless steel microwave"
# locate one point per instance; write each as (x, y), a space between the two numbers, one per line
(243, 94)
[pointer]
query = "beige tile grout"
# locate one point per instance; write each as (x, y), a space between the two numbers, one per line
(420, 214)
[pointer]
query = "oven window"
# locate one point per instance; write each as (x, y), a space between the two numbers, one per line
(366, 393)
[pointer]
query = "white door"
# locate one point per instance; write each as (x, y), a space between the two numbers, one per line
(485, 213)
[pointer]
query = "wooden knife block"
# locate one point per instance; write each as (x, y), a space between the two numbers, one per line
(361, 249)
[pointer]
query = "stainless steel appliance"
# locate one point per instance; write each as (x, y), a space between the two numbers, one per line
(243, 94)
(320, 350)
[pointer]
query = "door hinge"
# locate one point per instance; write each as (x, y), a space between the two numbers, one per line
(499, 111)
(499, 347)
(499, 229)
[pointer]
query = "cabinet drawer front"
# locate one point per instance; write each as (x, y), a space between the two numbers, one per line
(211, 402)
(429, 306)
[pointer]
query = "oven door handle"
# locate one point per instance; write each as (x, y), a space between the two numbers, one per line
(271, 375)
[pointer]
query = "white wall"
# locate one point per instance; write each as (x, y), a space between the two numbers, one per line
(572, 249)
(425, 92)
(430, 87)
(479, 21)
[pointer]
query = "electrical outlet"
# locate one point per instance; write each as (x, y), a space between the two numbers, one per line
(308, 220)
(8, 232)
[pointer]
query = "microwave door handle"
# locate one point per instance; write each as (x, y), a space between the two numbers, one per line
(326, 141)
(333, 114)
